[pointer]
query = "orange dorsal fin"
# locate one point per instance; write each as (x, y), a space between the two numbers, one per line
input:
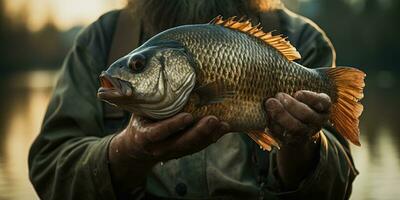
(279, 42)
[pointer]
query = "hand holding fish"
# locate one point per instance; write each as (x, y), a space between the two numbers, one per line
(143, 144)
(227, 68)
(296, 122)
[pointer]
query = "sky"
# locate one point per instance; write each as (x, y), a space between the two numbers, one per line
(64, 13)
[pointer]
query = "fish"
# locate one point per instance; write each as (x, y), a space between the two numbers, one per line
(227, 68)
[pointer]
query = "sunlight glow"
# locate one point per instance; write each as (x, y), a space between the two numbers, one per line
(63, 13)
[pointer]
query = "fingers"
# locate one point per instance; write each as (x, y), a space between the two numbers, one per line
(320, 102)
(297, 118)
(159, 141)
(280, 115)
(145, 132)
(208, 130)
(163, 129)
(202, 133)
(301, 111)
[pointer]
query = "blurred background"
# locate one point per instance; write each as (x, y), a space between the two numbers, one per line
(35, 35)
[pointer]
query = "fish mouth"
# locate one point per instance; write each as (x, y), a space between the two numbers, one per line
(112, 88)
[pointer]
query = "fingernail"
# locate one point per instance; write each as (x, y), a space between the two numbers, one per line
(212, 120)
(279, 95)
(271, 104)
(285, 102)
(283, 99)
(298, 94)
(324, 95)
(266, 103)
(188, 119)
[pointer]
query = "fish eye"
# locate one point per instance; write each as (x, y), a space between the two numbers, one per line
(137, 63)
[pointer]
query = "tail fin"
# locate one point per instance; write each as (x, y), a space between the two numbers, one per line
(346, 109)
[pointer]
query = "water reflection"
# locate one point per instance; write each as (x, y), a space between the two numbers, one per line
(380, 168)
(25, 96)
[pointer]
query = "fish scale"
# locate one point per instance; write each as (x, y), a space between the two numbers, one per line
(252, 69)
(237, 67)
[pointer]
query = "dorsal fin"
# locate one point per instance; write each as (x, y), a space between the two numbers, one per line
(277, 41)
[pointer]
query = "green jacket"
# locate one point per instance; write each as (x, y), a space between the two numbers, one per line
(68, 160)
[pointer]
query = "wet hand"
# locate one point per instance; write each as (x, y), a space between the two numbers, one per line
(171, 138)
(297, 119)
(134, 151)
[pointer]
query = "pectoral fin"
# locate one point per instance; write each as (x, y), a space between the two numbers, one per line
(214, 92)
(264, 139)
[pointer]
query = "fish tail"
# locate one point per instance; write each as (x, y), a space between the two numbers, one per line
(348, 84)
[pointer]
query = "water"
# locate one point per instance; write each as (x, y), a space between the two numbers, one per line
(24, 98)
(23, 103)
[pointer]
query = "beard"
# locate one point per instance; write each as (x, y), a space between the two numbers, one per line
(159, 15)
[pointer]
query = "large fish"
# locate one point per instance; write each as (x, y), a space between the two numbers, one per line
(226, 68)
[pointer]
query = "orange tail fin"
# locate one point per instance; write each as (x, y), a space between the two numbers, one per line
(346, 109)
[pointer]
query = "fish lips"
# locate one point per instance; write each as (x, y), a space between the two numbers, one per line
(113, 88)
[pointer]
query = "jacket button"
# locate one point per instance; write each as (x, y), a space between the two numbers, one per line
(181, 189)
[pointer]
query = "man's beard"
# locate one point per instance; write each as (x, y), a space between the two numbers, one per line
(159, 15)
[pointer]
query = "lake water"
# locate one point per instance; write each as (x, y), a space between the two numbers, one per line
(24, 98)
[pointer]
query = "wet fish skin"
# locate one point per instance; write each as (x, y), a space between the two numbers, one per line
(228, 69)
(253, 70)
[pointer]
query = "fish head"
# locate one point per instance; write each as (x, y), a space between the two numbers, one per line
(153, 81)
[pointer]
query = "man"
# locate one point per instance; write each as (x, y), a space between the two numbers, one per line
(87, 151)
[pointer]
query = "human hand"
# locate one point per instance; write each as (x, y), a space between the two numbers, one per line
(172, 138)
(296, 120)
(134, 151)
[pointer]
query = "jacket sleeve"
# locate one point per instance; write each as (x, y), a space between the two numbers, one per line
(68, 160)
(333, 176)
